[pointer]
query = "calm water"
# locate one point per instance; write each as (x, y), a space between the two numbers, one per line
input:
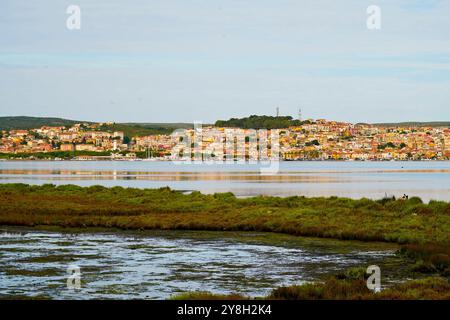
(157, 265)
(428, 180)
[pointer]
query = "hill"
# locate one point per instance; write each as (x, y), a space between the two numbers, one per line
(129, 129)
(145, 129)
(132, 129)
(260, 122)
(22, 122)
(137, 129)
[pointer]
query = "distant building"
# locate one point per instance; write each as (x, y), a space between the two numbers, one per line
(67, 147)
(85, 147)
(119, 134)
(18, 133)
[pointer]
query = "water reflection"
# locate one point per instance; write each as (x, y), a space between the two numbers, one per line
(428, 180)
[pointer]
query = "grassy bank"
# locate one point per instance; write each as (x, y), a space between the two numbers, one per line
(398, 221)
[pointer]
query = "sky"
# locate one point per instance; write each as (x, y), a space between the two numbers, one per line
(203, 60)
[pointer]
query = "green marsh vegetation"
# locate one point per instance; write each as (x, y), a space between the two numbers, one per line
(349, 285)
(403, 222)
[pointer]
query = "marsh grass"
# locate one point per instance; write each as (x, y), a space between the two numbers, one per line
(429, 258)
(72, 206)
(348, 285)
(356, 289)
(408, 221)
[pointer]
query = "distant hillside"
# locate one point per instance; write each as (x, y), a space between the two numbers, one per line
(137, 129)
(132, 129)
(145, 129)
(415, 124)
(8, 123)
(129, 129)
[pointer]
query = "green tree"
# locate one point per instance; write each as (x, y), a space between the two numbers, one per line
(312, 143)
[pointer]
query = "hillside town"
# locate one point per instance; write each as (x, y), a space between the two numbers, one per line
(312, 140)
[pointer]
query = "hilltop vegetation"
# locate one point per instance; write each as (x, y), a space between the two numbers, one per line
(145, 129)
(130, 129)
(135, 130)
(260, 122)
(269, 122)
(11, 123)
(140, 129)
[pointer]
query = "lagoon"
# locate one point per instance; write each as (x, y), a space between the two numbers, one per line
(159, 264)
(425, 179)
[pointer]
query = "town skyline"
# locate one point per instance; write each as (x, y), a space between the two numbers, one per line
(318, 139)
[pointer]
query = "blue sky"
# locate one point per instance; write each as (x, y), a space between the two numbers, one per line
(180, 61)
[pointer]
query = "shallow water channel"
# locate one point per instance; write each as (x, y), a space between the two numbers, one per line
(160, 264)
